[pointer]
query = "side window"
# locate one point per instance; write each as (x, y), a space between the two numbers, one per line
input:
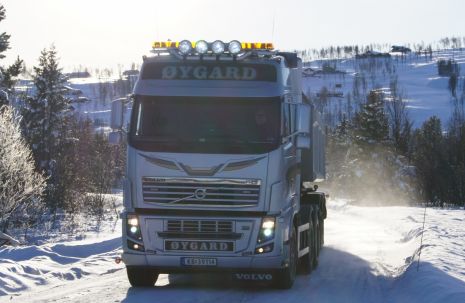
(286, 120)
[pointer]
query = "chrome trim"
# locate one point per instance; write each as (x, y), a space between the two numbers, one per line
(161, 162)
(205, 180)
(241, 164)
(168, 191)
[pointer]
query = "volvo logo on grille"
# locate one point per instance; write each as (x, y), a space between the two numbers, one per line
(200, 193)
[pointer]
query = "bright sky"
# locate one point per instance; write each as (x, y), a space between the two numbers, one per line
(99, 33)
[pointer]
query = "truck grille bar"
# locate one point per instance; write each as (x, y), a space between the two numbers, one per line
(209, 192)
(204, 226)
(199, 229)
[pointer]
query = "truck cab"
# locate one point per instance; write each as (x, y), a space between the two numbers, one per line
(220, 147)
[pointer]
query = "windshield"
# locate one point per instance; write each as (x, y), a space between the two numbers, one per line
(205, 124)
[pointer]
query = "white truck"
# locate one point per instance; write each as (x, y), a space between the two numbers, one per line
(222, 146)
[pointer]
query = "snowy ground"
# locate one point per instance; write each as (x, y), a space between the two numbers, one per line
(367, 258)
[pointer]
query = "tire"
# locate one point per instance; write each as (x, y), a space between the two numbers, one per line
(317, 238)
(306, 262)
(286, 277)
(141, 277)
(316, 245)
(322, 233)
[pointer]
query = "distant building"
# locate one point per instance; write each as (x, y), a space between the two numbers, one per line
(72, 91)
(372, 54)
(84, 74)
(400, 49)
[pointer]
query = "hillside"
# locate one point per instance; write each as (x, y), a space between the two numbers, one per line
(425, 92)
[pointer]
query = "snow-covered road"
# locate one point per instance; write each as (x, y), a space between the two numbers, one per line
(366, 258)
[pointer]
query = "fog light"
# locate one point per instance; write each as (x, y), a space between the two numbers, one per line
(234, 47)
(185, 47)
(218, 47)
(201, 46)
(264, 249)
(135, 246)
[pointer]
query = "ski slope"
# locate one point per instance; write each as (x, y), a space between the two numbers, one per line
(370, 255)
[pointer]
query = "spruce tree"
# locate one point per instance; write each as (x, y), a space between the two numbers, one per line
(430, 160)
(7, 74)
(46, 118)
(371, 122)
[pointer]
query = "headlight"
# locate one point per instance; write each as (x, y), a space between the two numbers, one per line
(185, 47)
(267, 230)
(234, 47)
(201, 47)
(133, 227)
(133, 220)
(218, 47)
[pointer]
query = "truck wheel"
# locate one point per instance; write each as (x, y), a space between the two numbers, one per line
(306, 262)
(322, 233)
(317, 238)
(285, 278)
(316, 245)
(141, 277)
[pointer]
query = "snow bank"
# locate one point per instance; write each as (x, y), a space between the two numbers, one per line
(23, 268)
(370, 255)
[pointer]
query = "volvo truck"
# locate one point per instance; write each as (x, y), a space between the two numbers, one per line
(222, 152)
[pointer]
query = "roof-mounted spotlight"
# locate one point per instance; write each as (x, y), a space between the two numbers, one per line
(218, 47)
(185, 47)
(201, 47)
(234, 47)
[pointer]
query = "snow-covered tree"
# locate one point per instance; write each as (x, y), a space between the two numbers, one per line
(7, 74)
(21, 186)
(46, 118)
(371, 122)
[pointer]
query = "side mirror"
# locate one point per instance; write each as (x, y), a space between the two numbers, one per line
(303, 141)
(117, 109)
(304, 118)
(115, 138)
(303, 126)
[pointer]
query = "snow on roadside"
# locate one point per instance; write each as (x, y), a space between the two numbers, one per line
(369, 256)
(389, 239)
(25, 267)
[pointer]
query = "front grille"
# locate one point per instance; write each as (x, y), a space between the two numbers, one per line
(214, 192)
(199, 226)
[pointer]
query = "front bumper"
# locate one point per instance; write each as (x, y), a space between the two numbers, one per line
(170, 263)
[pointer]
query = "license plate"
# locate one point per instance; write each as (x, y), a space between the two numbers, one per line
(198, 261)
